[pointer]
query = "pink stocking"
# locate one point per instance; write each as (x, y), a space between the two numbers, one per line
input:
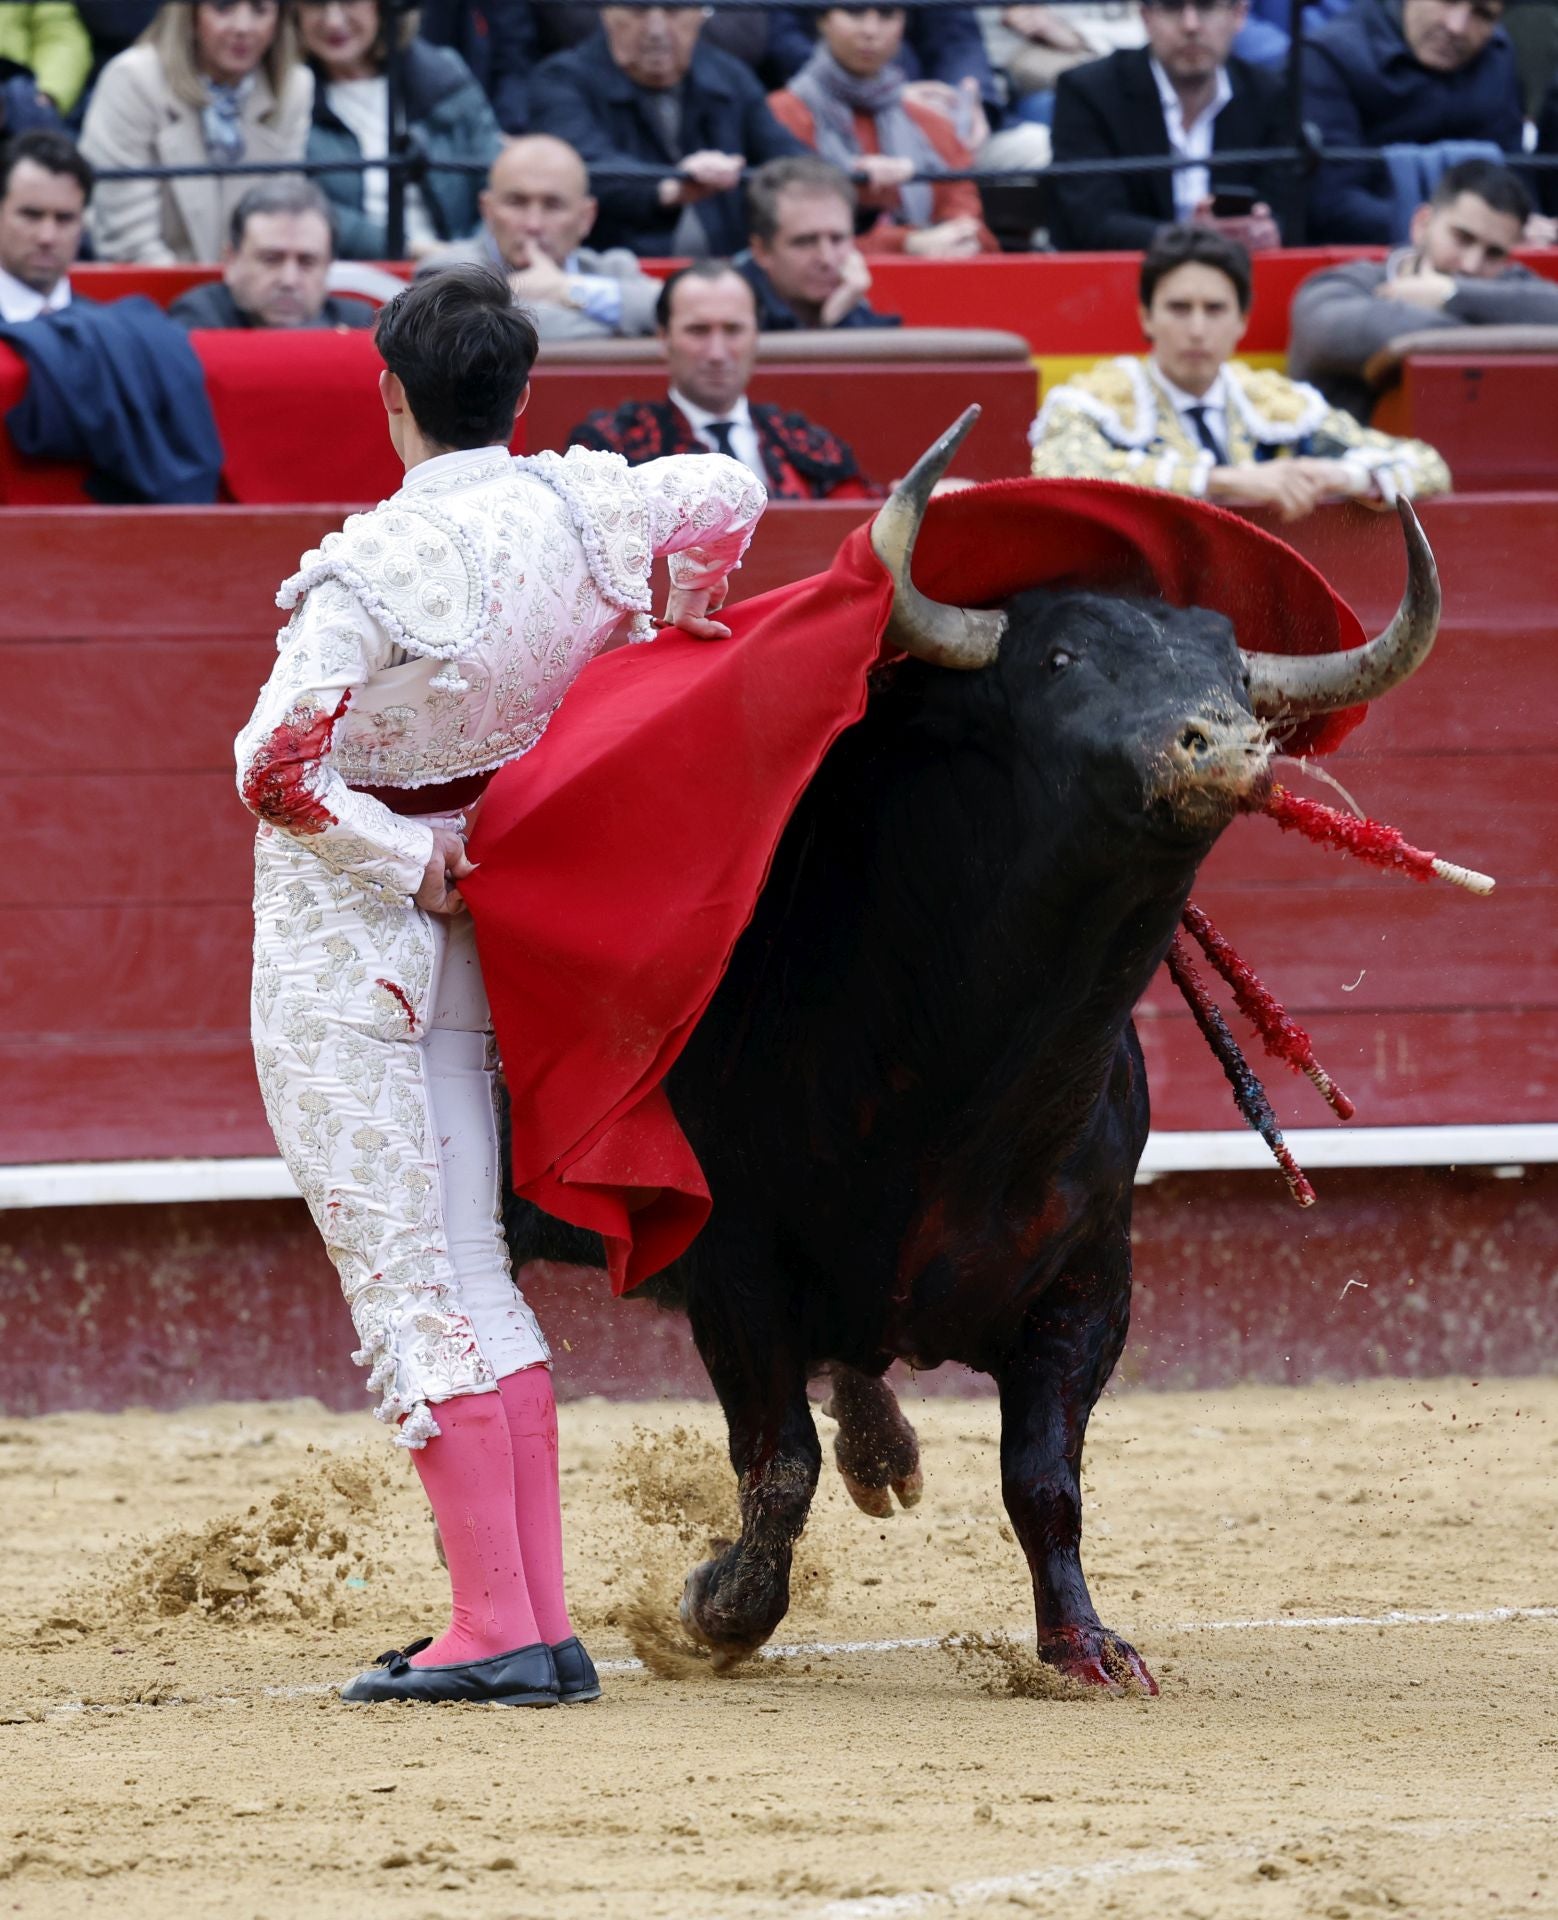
(532, 1423)
(467, 1474)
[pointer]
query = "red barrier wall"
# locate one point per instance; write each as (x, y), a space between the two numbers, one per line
(168, 1306)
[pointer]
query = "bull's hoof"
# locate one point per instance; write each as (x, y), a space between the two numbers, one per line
(701, 1616)
(1095, 1657)
(878, 1501)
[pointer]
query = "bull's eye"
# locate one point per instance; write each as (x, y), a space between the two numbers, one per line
(1059, 660)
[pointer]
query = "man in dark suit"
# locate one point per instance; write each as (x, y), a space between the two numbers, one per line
(275, 269)
(707, 319)
(1403, 73)
(1181, 94)
(644, 93)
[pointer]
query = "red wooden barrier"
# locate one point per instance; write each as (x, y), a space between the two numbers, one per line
(1484, 416)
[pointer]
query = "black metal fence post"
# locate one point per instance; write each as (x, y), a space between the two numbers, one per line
(397, 141)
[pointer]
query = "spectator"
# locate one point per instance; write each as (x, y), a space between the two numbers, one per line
(536, 211)
(850, 104)
(742, 32)
(1191, 419)
(51, 41)
(210, 84)
(23, 107)
(1182, 94)
(1035, 45)
(1267, 34)
(707, 319)
(1456, 273)
(497, 40)
(44, 188)
(275, 267)
(1411, 72)
(1547, 177)
(804, 267)
(114, 25)
(643, 93)
(447, 119)
(943, 55)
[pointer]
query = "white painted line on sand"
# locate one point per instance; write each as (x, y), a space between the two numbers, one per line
(822, 1649)
(965, 1895)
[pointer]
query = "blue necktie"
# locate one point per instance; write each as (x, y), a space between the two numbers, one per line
(1204, 433)
(722, 430)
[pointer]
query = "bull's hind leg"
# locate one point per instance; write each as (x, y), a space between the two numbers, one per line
(1049, 1388)
(734, 1602)
(876, 1450)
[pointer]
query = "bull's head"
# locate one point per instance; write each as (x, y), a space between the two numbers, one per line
(1281, 686)
(1186, 716)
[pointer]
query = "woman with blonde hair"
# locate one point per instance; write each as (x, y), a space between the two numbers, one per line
(214, 83)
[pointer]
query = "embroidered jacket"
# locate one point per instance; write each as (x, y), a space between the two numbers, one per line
(433, 638)
(802, 461)
(1115, 422)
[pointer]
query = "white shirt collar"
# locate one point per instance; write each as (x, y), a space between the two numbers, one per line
(443, 465)
(699, 417)
(1199, 137)
(19, 302)
(1215, 399)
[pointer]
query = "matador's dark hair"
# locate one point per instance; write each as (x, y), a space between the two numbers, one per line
(463, 352)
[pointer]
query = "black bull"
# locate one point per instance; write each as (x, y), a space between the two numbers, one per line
(918, 1095)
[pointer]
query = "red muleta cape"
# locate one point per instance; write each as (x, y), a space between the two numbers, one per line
(621, 859)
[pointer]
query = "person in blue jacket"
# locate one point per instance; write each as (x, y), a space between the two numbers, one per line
(1413, 72)
(447, 118)
(643, 93)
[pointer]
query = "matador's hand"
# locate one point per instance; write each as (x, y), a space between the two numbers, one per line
(447, 866)
(689, 608)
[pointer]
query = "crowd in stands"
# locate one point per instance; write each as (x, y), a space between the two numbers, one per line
(782, 150)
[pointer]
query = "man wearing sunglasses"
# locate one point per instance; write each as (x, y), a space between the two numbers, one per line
(1182, 95)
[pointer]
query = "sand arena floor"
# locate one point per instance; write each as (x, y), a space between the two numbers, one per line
(177, 1594)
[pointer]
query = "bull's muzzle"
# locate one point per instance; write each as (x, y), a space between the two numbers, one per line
(1212, 766)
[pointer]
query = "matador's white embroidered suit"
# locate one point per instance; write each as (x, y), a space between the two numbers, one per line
(430, 642)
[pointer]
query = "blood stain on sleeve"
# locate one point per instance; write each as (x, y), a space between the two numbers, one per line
(277, 784)
(400, 995)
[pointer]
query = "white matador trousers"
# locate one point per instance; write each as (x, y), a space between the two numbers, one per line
(373, 1042)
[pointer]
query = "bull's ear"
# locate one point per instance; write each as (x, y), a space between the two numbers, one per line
(1290, 685)
(961, 637)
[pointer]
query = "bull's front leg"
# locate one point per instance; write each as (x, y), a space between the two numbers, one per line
(1070, 1344)
(876, 1450)
(734, 1601)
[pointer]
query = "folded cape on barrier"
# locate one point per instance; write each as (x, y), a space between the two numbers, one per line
(620, 860)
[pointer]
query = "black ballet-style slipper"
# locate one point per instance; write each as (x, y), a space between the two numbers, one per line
(526, 1677)
(577, 1680)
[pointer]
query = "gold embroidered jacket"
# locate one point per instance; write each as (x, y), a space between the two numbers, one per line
(1115, 422)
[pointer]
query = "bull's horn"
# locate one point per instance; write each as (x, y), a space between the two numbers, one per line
(1282, 683)
(945, 636)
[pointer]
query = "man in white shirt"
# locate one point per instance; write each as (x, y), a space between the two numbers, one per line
(707, 320)
(1184, 95)
(44, 188)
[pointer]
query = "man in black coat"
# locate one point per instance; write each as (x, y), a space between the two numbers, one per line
(1408, 73)
(643, 93)
(276, 266)
(1180, 94)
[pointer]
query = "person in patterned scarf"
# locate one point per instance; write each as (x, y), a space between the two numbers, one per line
(707, 319)
(430, 642)
(1192, 419)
